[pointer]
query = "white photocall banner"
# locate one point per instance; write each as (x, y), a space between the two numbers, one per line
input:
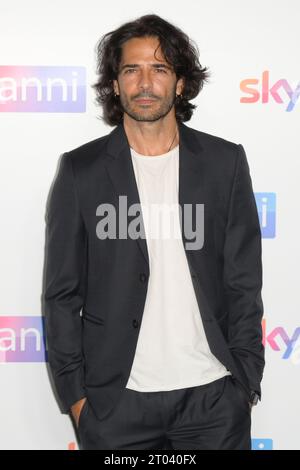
(252, 98)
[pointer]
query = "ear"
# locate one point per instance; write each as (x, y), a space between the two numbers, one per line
(116, 87)
(180, 86)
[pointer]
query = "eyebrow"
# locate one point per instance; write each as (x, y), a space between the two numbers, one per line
(155, 65)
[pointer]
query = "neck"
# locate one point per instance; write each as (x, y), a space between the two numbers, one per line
(151, 138)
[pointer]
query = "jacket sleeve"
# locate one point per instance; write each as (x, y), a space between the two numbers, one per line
(243, 276)
(64, 286)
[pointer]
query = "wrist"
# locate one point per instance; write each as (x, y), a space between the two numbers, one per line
(254, 398)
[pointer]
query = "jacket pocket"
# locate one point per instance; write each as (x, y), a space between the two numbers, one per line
(92, 318)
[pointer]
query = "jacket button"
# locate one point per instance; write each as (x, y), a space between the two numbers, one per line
(194, 275)
(135, 323)
(143, 277)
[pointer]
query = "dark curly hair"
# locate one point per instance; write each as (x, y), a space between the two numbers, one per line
(178, 50)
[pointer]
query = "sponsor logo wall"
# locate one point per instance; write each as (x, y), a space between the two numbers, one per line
(47, 107)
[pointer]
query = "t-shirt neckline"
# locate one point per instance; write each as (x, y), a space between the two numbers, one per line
(163, 155)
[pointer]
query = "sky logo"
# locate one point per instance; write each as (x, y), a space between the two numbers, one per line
(266, 208)
(267, 91)
(261, 444)
(45, 89)
(22, 339)
(279, 340)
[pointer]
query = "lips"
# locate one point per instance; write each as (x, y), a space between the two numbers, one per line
(145, 100)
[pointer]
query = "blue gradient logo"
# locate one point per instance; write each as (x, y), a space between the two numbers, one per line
(22, 339)
(266, 208)
(42, 89)
(262, 444)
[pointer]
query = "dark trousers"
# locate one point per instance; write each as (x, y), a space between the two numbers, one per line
(212, 416)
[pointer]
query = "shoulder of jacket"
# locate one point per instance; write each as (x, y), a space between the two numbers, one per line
(212, 140)
(87, 151)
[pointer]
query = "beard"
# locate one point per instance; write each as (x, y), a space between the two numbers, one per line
(145, 113)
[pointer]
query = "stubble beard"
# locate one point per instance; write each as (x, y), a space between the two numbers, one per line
(147, 114)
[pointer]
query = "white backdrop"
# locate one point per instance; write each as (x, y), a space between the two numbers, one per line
(238, 41)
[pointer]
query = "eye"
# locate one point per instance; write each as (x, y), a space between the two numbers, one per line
(129, 70)
(161, 70)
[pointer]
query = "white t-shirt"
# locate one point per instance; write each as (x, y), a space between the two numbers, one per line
(172, 350)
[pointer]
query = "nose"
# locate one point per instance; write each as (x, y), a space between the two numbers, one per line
(145, 80)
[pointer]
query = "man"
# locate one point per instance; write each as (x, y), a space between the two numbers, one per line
(154, 341)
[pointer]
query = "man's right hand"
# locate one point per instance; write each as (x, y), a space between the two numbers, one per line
(76, 409)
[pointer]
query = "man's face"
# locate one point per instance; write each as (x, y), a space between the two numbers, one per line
(141, 75)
